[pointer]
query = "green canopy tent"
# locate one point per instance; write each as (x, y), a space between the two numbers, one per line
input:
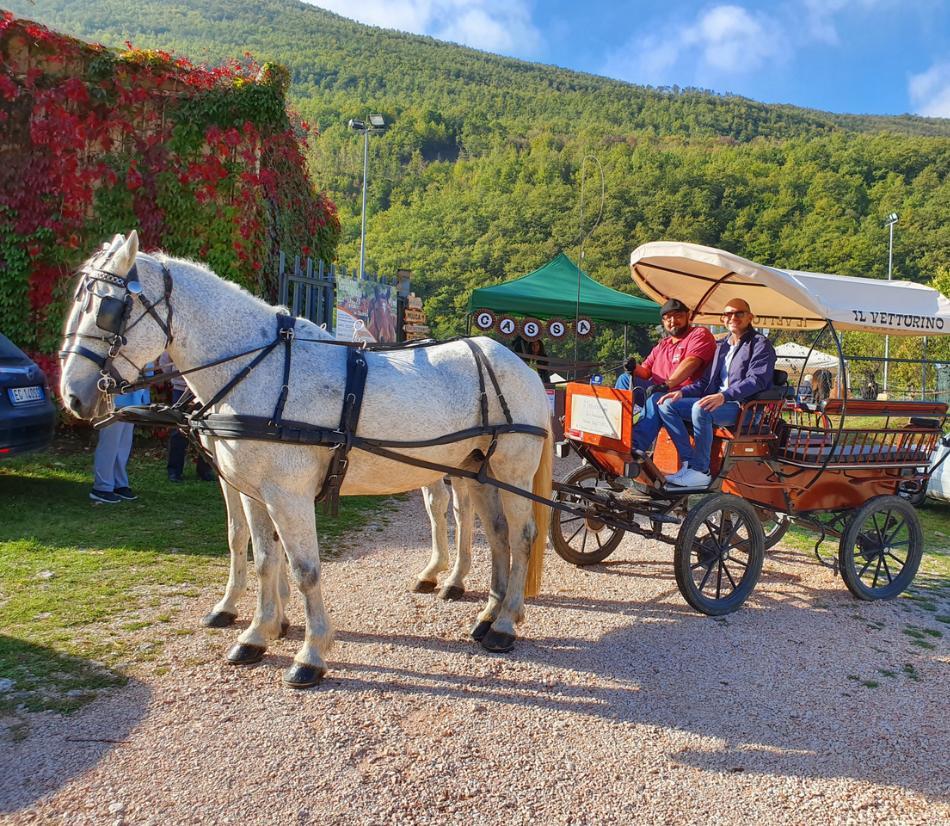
(551, 291)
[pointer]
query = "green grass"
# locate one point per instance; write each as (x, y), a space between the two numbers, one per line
(78, 580)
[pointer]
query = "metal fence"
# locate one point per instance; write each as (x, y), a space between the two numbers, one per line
(307, 288)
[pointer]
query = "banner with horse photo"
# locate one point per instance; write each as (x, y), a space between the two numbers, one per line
(365, 310)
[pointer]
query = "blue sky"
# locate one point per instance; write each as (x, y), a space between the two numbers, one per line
(860, 56)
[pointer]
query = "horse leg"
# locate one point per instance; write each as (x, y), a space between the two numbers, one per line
(488, 506)
(294, 518)
(436, 499)
(521, 532)
(268, 622)
(224, 612)
(454, 586)
(283, 586)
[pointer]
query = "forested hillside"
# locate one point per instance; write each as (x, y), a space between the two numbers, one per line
(479, 177)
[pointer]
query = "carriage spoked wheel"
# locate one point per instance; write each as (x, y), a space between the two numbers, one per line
(718, 555)
(582, 540)
(774, 526)
(881, 548)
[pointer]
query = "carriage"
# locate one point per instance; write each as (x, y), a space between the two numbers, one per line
(289, 415)
(848, 469)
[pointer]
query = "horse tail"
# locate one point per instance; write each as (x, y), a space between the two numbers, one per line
(541, 486)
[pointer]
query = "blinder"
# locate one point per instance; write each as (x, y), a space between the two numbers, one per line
(113, 314)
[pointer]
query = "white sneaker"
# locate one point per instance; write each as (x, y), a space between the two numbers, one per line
(690, 478)
(672, 477)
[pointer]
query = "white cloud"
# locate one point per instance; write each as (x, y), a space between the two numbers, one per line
(492, 25)
(733, 40)
(930, 91)
(819, 16)
(724, 40)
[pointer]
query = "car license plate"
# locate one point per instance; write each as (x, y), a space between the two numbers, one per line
(23, 395)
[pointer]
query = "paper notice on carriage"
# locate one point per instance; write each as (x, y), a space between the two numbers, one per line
(597, 415)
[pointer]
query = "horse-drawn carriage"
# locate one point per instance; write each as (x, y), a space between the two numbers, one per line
(844, 468)
(288, 414)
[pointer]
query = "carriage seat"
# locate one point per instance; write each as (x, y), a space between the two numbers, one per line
(811, 451)
(752, 415)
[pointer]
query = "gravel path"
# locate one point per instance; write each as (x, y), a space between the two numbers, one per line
(620, 705)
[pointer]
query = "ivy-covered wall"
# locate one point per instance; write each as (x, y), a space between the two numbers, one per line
(205, 163)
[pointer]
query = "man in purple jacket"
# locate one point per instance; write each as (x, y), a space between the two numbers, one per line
(742, 366)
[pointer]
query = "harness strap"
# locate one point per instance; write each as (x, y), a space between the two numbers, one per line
(243, 374)
(356, 370)
(285, 333)
(225, 426)
(85, 352)
(482, 395)
(484, 366)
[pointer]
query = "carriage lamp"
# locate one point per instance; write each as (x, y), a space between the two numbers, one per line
(889, 223)
(377, 124)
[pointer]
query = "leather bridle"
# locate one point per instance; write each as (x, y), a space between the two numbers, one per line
(113, 318)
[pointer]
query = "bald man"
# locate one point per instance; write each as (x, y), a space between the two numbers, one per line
(742, 366)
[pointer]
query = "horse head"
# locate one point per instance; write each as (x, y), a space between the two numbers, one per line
(113, 329)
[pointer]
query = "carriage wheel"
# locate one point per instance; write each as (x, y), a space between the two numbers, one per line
(880, 550)
(577, 539)
(719, 553)
(774, 526)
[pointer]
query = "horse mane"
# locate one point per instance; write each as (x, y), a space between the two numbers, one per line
(203, 272)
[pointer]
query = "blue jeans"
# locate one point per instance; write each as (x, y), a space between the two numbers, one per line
(645, 431)
(674, 415)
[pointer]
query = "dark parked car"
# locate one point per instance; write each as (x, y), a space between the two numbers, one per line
(27, 413)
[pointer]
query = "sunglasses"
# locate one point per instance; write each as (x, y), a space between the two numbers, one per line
(736, 313)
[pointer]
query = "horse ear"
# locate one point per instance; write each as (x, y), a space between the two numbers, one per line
(125, 257)
(111, 246)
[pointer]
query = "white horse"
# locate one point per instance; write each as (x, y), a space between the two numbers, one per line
(414, 394)
(436, 500)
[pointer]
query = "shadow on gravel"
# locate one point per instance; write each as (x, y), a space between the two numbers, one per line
(51, 731)
(803, 684)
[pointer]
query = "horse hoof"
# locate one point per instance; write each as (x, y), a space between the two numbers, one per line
(423, 586)
(480, 630)
(284, 628)
(303, 676)
(218, 619)
(245, 654)
(498, 642)
(451, 592)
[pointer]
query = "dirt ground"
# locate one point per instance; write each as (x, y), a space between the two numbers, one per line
(618, 705)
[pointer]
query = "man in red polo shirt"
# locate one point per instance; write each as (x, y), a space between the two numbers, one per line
(678, 359)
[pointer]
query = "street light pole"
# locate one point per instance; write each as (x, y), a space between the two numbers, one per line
(363, 213)
(891, 220)
(375, 125)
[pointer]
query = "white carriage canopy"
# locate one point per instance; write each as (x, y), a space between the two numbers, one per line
(706, 279)
(791, 357)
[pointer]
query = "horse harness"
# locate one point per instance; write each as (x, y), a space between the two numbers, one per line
(195, 419)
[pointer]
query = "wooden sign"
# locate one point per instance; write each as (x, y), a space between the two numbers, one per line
(507, 326)
(484, 320)
(584, 327)
(557, 329)
(531, 329)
